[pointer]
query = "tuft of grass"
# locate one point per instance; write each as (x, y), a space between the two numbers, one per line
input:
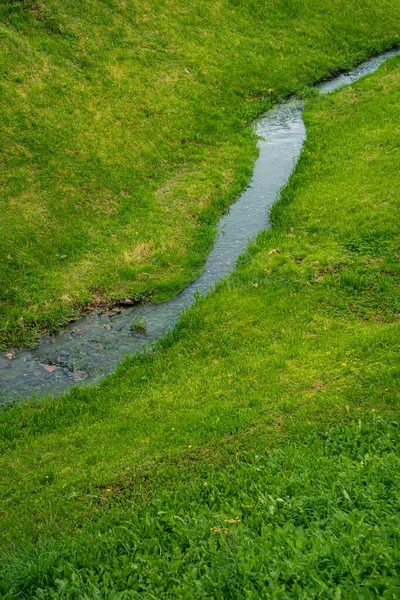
(126, 132)
(139, 325)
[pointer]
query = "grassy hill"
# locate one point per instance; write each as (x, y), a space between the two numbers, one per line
(125, 134)
(255, 452)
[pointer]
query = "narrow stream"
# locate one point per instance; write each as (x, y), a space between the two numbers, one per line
(88, 349)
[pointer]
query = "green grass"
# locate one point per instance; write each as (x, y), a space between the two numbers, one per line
(294, 358)
(139, 325)
(125, 129)
(314, 518)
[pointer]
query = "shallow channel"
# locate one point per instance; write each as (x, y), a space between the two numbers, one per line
(91, 347)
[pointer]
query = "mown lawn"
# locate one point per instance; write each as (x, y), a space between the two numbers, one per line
(255, 452)
(125, 133)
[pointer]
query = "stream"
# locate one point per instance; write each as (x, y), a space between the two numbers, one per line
(91, 347)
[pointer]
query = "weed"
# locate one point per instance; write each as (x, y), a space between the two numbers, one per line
(139, 325)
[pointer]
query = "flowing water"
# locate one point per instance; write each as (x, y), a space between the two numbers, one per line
(91, 347)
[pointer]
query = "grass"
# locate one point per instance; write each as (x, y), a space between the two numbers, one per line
(139, 325)
(255, 451)
(313, 518)
(125, 129)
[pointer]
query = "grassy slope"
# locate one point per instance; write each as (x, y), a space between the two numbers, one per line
(124, 134)
(314, 518)
(305, 334)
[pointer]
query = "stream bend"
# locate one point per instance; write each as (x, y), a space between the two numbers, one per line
(88, 349)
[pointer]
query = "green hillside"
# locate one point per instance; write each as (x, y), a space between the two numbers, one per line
(254, 454)
(125, 134)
